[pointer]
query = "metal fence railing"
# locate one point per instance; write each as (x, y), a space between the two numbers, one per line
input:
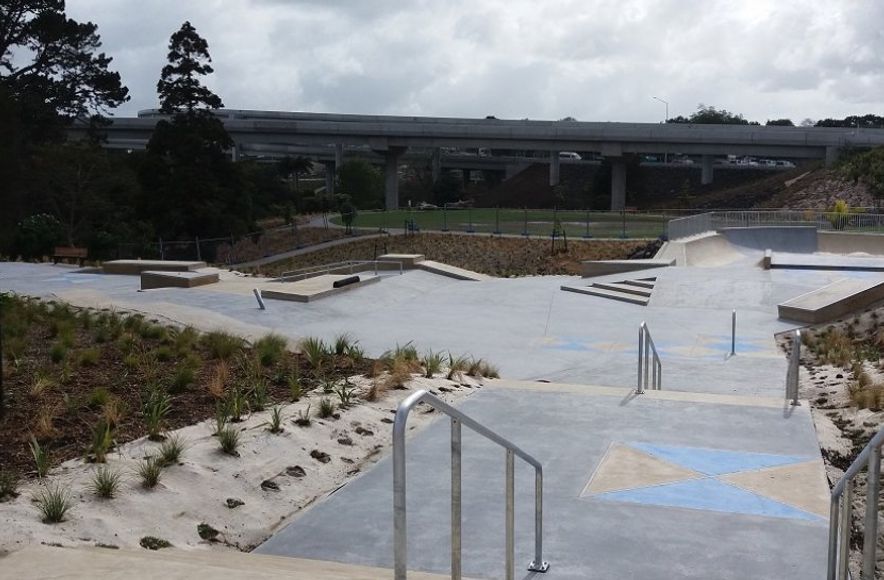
(650, 369)
(345, 267)
(684, 227)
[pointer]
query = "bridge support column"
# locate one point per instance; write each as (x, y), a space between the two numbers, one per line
(466, 177)
(339, 157)
(391, 177)
(234, 153)
(832, 154)
(618, 183)
(329, 177)
(553, 168)
(706, 169)
(436, 164)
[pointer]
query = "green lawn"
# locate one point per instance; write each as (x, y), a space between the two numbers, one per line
(535, 222)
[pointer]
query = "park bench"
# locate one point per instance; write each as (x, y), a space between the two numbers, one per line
(67, 253)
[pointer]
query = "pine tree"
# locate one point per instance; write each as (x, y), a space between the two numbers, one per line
(179, 87)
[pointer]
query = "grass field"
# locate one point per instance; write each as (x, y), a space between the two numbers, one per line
(533, 222)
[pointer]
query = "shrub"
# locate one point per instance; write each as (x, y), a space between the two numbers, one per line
(41, 458)
(102, 441)
(222, 345)
(152, 543)
(228, 438)
(58, 352)
(270, 349)
(89, 357)
(275, 423)
(156, 408)
(105, 482)
(315, 351)
(303, 419)
(171, 450)
(150, 471)
(326, 408)
(54, 502)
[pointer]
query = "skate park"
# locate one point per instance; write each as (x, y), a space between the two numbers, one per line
(702, 477)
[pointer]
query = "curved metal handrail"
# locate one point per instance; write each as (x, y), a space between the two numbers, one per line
(400, 533)
(841, 509)
(648, 361)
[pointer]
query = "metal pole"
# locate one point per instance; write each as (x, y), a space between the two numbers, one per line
(537, 564)
(199, 256)
(834, 513)
(162, 252)
(510, 516)
(641, 338)
(647, 355)
(870, 540)
(846, 525)
(259, 298)
(400, 533)
(733, 333)
(455, 500)
(795, 365)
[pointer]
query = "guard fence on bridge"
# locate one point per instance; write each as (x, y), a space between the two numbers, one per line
(693, 225)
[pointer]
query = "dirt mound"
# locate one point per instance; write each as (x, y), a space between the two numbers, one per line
(819, 189)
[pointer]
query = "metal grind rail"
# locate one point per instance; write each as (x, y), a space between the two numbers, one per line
(337, 267)
(458, 419)
(650, 369)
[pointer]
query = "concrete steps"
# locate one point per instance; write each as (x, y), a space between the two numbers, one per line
(635, 291)
(172, 564)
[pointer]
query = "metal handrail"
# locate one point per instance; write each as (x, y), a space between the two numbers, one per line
(400, 534)
(692, 225)
(794, 368)
(310, 271)
(648, 362)
(841, 512)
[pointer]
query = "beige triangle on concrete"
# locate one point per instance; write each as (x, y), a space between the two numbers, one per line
(800, 485)
(623, 467)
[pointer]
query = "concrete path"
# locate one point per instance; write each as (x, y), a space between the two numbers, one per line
(649, 487)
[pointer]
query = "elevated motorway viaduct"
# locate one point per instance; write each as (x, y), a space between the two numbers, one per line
(392, 136)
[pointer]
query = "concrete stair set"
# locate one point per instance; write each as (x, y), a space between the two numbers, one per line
(634, 291)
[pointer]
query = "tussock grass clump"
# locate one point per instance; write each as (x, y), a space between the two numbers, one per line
(343, 343)
(345, 393)
(457, 366)
(303, 418)
(44, 425)
(296, 389)
(171, 450)
(326, 408)
(54, 503)
(89, 357)
(156, 408)
(270, 349)
(222, 345)
(217, 385)
(315, 351)
(8, 485)
(102, 441)
(58, 353)
(259, 395)
(150, 470)
(228, 438)
(183, 377)
(105, 482)
(98, 398)
(432, 364)
(275, 423)
(42, 461)
(40, 384)
(236, 404)
(835, 348)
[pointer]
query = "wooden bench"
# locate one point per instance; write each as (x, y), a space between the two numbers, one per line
(67, 253)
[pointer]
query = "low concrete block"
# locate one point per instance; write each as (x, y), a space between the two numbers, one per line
(593, 268)
(160, 279)
(136, 267)
(407, 260)
(832, 301)
(315, 288)
(765, 262)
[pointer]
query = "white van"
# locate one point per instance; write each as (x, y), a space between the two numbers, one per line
(569, 155)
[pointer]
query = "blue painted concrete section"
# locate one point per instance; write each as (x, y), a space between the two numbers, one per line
(709, 494)
(717, 461)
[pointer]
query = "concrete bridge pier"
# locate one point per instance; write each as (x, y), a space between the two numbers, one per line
(832, 154)
(436, 164)
(466, 177)
(553, 168)
(339, 157)
(706, 169)
(618, 183)
(391, 176)
(329, 176)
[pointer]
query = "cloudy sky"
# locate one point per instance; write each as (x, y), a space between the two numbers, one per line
(596, 60)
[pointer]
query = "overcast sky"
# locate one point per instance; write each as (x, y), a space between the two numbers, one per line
(542, 59)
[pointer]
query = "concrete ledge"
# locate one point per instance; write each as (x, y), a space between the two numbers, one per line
(591, 268)
(315, 288)
(451, 271)
(832, 301)
(136, 267)
(157, 279)
(768, 256)
(849, 242)
(827, 262)
(407, 260)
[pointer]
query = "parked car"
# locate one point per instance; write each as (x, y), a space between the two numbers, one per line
(569, 155)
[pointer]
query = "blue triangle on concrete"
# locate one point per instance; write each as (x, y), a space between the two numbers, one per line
(716, 461)
(708, 494)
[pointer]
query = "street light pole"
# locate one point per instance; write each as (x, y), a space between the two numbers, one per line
(666, 103)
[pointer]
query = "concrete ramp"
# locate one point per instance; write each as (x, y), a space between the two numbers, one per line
(450, 271)
(832, 301)
(592, 268)
(796, 239)
(704, 250)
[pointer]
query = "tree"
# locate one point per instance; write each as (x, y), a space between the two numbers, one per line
(49, 64)
(294, 167)
(709, 115)
(867, 121)
(780, 123)
(363, 183)
(196, 188)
